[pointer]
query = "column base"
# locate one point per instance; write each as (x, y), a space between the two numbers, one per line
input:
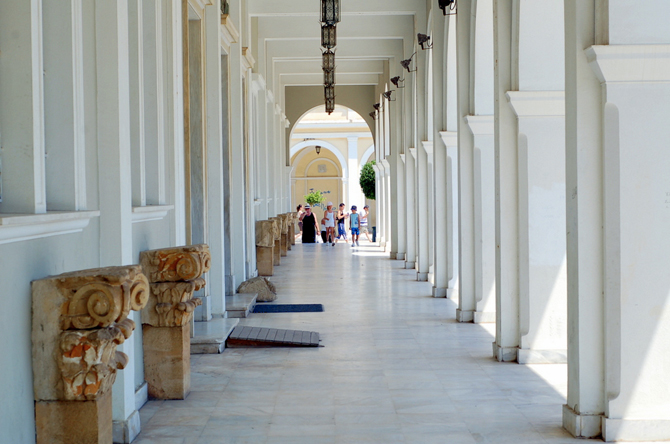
(526, 356)
(485, 317)
(125, 432)
(581, 426)
(439, 292)
(505, 354)
(400, 256)
(229, 281)
(639, 430)
(393, 256)
(464, 315)
(422, 277)
(410, 265)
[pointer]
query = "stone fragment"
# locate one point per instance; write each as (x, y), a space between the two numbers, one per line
(167, 361)
(171, 303)
(260, 285)
(265, 236)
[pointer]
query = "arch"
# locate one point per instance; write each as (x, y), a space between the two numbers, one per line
(366, 155)
(323, 159)
(323, 144)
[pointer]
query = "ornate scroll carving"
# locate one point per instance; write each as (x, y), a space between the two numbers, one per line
(176, 264)
(78, 320)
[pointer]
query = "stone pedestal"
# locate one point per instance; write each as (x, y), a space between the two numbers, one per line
(292, 230)
(167, 361)
(78, 320)
(277, 252)
(74, 421)
(265, 261)
(175, 274)
(284, 245)
(278, 227)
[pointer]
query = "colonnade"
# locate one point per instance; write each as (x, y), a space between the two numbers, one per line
(531, 192)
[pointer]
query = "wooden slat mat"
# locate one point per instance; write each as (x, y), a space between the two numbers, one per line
(271, 337)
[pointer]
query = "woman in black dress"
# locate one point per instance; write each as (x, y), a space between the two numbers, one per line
(309, 226)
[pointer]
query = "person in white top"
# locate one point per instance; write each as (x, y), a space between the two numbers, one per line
(329, 215)
(364, 222)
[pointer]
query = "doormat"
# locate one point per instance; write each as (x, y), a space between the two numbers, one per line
(287, 308)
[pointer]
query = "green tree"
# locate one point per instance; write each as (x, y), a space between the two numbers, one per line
(367, 180)
(315, 198)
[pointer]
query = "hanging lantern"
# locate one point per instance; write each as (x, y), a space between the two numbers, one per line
(330, 11)
(328, 77)
(328, 36)
(330, 105)
(329, 92)
(329, 60)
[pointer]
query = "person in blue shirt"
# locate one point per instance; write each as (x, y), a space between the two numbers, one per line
(354, 224)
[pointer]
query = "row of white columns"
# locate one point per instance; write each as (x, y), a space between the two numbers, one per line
(543, 202)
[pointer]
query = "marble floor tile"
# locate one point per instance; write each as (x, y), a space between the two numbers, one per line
(393, 367)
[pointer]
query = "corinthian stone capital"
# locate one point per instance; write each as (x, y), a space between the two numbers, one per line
(176, 264)
(78, 320)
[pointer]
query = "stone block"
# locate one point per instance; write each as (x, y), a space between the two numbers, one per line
(167, 361)
(74, 422)
(171, 303)
(284, 245)
(265, 235)
(265, 260)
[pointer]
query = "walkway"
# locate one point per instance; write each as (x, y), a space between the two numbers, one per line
(394, 368)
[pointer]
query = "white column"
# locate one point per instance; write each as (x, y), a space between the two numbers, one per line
(355, 195)
(388, 227)
(411, 209)
(585, 406)
(64, 105)
(238, 166)
(216, 302)
(22, 112)
(483, 163)
(450, 140)
(507, 204)
(113, 124)
(440, 190)
(422, 225)
(466, 190)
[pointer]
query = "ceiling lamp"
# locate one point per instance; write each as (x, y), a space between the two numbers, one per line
(328, 60)
(405, 64)
(447, 4)
(330, 11)
(318, 150)
(424, 41)
(387, 96)
(329, 92)
(397, 81)
(328, 36)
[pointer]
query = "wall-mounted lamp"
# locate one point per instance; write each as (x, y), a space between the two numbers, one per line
(424, 41)
(225, 7)
(373, 114)
(318, 150)
(405, 64)
(330, 11)
(328, 36)
(447, 5)
(397, 81)
(387, 96)
(376, 106)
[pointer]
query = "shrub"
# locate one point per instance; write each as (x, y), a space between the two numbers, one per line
(367, 180)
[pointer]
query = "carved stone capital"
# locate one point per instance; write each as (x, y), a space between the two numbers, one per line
(277, 229)
(78, 320)
(172, 303)
(176, 264)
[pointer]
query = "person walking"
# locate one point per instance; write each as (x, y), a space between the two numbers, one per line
(341, 218)
(364, 222)
(300, 212)
(329, 215)
(309, 226)
(354, 225)
(324, 233)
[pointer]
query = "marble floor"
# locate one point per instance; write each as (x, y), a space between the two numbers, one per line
(394, 367)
